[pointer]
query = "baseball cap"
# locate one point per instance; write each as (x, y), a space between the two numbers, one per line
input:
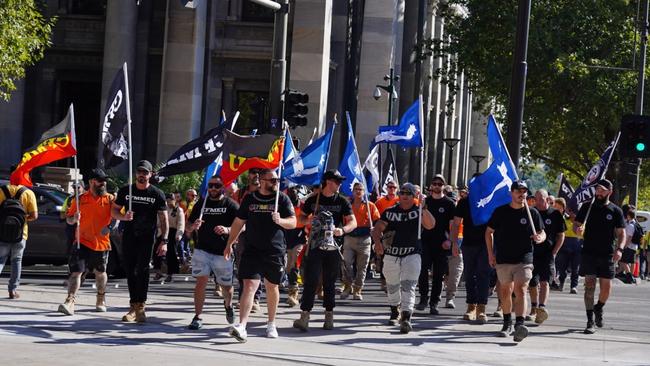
(605, 183)
(97, 174)
(439, 177)
(333, 174)
(409, 187)
(144, 165)
(518, 184)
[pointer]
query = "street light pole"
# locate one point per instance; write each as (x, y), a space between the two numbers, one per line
(451, 142)
(518, 82)
(478, 159)
(391, 78)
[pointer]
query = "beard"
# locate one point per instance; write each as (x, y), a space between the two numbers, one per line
(215, 195)
(142, 180)
(600, 200)
(99, 190)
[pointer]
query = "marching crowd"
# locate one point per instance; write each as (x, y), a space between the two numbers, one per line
(419, 244)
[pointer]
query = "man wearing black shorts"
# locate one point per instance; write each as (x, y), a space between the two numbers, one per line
(324, 258)
(511, 237)
(263, 256)
(544, 256)
(139, 236)
(604, 241)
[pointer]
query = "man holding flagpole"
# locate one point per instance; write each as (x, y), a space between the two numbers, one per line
(139, 235)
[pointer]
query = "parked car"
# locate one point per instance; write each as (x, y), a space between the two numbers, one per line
(47, 242)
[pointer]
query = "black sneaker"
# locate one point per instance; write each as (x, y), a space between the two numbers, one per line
(421, 305)
(394, 316)
(196, 324)
(590, 329)
(433, 310)
(598, 315)
(230, 315)
(506, 330)
(405, 324)
(521, 332)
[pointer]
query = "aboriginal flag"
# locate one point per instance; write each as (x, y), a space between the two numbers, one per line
(55, 144)
(241, 153)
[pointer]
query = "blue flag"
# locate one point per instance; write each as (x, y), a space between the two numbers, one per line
(350, 166)
(408, 133)
(308, 167)
(492, 188)
(587, 189)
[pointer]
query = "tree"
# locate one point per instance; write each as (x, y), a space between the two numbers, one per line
(581, 77)
(24, 35)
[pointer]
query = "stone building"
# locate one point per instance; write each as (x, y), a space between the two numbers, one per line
(187, 65)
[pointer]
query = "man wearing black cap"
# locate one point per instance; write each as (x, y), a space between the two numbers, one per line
(91, 248)
(511, 237)
(436, 247)
(603, 225)
(323, 256)
(148, 205)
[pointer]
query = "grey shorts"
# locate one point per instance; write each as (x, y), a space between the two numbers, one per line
(203, 263)
(519, 272)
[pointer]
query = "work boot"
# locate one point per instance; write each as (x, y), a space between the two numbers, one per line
(481, 317)
(521, 332)
(347, 290)
(356, 293)
(303, 322)
(532, 315)
(498, 313)
(541, 315)
(329, 320)
(100, 304)
(292, 297)
(256, 306)
(405, 323)
(470, 314)
(598, 314)
(67, 307)
(140, 316)
(130, 316)
(394, 316)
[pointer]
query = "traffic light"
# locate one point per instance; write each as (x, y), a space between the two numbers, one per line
(295, 108)
(635, 136)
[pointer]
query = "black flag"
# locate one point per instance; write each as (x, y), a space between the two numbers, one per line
(566, 192)
(113, 147)
(196, 154)
(389, 172)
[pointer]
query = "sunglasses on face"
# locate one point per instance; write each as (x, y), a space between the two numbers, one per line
(437, 184)
(392, 187)
(215, 185)
(406, 193)
(358, 189)
(272, 180)
(143, 172)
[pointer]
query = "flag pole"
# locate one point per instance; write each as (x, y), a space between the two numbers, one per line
(76, 174)
(421, 117)
(365, 184)
(128, 117)
(277, 193)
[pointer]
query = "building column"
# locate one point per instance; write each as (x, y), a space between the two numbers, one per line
(435, 132)
(182, 80)
(310, 60)
(11, 125)
(120, 36)
(228, 96)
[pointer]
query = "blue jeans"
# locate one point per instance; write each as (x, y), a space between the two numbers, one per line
(15, 252)
(477, 273)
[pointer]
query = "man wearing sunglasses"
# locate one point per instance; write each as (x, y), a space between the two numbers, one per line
(149, 206)
(509, 234)
(324, 258)
(265, 250)
(401, 249)
(436, 248)
(213, 229)
(90, 250)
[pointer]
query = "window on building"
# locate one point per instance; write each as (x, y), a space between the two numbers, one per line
(252, 106)
(252, 12)
(84, 7)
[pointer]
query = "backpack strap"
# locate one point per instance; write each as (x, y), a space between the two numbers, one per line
(19, 193)
(5, 190)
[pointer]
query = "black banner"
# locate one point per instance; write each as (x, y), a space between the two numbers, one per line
(389, 172)
(113, 147)
(567, 192)
(196, 154)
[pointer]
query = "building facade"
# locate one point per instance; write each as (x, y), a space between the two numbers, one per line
(187, 66)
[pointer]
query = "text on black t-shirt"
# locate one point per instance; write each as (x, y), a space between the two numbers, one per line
(221, 212)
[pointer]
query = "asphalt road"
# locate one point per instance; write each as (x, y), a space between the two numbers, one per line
(33, 333)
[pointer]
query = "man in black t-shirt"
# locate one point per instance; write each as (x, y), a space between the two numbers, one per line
(213, 225)
(544, 256)
(436, 245)
(263, 256)
(401, 247)
(323, 257)
(475, 259)
(148, 206)
(603, 225)
(510, 238)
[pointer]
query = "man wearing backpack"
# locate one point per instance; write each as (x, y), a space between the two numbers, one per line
(633, 236)
(17, 207)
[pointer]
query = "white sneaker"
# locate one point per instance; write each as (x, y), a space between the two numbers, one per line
(271, 330)
(238, 332)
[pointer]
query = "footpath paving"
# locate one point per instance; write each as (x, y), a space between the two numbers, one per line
(32, 333)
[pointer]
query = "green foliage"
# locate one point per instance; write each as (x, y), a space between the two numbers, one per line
(182, 182)
(24, 35)
(580, 78)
